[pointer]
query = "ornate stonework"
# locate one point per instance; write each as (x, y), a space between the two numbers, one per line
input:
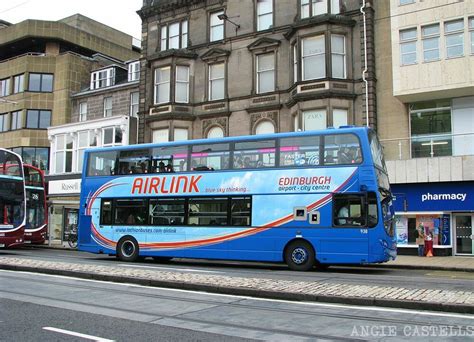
(209, 123)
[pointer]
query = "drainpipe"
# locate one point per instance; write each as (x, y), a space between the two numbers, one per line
(364, 72)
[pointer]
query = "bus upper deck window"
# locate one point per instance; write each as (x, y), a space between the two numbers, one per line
(342, 149)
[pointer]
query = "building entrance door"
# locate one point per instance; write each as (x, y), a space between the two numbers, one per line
(464, 234)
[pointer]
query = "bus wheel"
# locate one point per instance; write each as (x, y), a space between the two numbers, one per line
(299, 256)
(127, 249)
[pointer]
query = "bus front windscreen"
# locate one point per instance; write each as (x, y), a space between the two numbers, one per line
(35, 208)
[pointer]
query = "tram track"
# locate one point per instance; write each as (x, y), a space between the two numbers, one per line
(314, 313)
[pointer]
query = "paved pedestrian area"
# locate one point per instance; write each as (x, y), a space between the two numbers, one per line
(456, 263)
(423, 299)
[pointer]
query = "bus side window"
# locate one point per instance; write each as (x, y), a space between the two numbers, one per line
(348, 210)
(372, 212)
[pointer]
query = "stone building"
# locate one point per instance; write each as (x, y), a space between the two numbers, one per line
(41, 64)
(225, 68)
(425, 59)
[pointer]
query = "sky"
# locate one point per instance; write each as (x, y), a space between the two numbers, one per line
(119, 14)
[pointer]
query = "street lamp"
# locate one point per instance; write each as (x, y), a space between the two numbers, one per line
(224, 16)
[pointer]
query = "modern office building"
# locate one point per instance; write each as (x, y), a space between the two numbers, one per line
(41, 64)
(426, 118)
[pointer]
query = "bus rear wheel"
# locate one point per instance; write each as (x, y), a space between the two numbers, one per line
(127, 249)
(299, 256)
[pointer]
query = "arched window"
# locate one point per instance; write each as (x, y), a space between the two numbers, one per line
(265, 127)
(215, 132)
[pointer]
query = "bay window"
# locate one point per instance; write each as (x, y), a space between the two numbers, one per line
(162, 85)
(313, 56)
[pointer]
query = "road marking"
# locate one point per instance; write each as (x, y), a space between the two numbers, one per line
(169, 268)
(344, 306)
(73, 333)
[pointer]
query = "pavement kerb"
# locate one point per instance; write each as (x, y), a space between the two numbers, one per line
(407, 267)
(392, 303)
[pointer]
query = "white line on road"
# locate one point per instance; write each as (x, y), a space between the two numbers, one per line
(73, 333)
(169, 268)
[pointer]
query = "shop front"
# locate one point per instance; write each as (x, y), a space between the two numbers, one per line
(446, 210)
(63, 199)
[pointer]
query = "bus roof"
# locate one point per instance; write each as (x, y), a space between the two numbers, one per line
(330, 130)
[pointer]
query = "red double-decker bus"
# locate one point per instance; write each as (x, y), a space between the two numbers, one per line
(12, 199)
(36, 206)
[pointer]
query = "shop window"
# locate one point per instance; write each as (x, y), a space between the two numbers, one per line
(70, 222)
(314, 120)
(160, 135)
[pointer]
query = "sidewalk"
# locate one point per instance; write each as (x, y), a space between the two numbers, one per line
(369, 295)
(444, 263)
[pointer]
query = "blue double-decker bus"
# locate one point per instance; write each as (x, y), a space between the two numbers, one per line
(309, 199)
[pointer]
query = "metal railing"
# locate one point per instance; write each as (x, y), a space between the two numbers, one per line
(429, 146)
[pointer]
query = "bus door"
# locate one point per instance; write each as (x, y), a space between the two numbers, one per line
(349, 238)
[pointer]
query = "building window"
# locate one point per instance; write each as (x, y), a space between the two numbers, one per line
(295, 63)
(314, 120)
(16, 122)
(408, 46)
(338, 56)
(36, 156)
(454, 35)
(102, 78)
(174, 35)
(85, 140)
(216, 29)
(107, 107)
(182, 84)
(216, 81)
(180, 134)
(82, 111)
(134, 71)
(63, 153)
(264, 14)
(431, 129)
(36, 118)
(339, 117)
(162, 85)
(314, 62)
(40, 82)
(3, 122)
(265, 73)
(406, 2)
(317, 7)
(111, 136)
(134, 98)
(4, 87)
(430, 36)
(215, 132)
(265, 127)
(160, 135)
(471, 30)
(18, 83)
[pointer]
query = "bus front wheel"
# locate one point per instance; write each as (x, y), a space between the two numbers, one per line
(299, 256)
(127, 249)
